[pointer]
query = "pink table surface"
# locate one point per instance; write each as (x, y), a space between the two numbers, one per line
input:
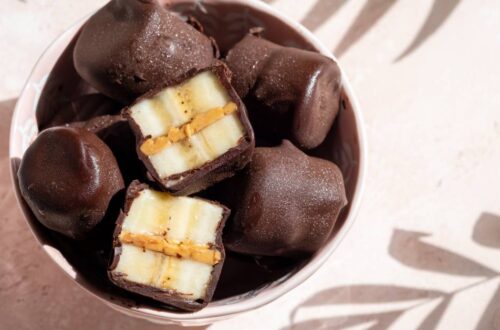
(424, 251)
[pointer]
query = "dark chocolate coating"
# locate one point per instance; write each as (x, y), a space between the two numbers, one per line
(292, 93)
(115, 131)
(99, 123)
(132, 46)
(83, 108)
(170, 297)
(65, 90)
(221, 168)
(229, 21)
(68, 177)
(287, 205)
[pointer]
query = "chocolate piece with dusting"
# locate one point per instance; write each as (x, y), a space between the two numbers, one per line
(132, 46)
(291, 93)
(68, 176)
(168, 248)
(287, 203)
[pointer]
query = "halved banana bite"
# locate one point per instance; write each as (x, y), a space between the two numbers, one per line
(192, 134)
(168, 248)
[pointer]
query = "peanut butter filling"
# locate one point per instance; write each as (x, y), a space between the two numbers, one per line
(183, 249)
(175, 134)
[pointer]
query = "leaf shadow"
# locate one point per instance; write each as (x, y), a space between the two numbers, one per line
(440, 12)
(361, 294)
(408, 248)
(487, 230)
(380, 321)
(491, 315)
(6, 110)
(370, 14)
(321, 12)
(369, 294)
(487, 233)
(432, 320)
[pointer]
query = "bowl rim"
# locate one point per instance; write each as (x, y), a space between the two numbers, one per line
(210, 314)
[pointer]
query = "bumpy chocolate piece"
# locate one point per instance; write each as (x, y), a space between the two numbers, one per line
(132, 46)
(291, 93)
(194, 133)
(168, 248)
(288, 203)
(68, 177)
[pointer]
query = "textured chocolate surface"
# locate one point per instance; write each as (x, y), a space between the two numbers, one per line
(68, 176)
(169, 297)
(132, 46)
(228, 22)
(292, 93)
(214, 171)
(287, 203)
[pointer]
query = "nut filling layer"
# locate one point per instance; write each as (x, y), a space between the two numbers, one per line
(185, 250)
(175, 134)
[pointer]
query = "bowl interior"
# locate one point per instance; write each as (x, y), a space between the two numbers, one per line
(54, 82)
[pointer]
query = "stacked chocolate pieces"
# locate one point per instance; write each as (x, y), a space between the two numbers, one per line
(192, 131)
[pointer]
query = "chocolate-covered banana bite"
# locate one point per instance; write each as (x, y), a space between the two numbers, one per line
(168, 248)
(290, 93)
(132, 46)
(192, 134)
(68, 176)
(287, 203)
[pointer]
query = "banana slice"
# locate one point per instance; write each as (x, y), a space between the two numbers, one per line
(168, 248)
(193, 134)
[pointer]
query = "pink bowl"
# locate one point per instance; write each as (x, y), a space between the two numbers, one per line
(346, 146)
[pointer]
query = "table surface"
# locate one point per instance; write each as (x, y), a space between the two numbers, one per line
(425, 247)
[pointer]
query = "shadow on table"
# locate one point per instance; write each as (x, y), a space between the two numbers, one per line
(487, 230)
(320, 12)
(410, 249)
(369, 15)
(39, 295)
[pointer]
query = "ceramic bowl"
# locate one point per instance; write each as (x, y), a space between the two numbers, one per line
(345, 145)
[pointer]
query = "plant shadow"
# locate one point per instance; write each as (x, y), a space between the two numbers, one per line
(369, 15)
(367, 18)
(440, 12)
(321, 12)
(487, 230)
(411, 250)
